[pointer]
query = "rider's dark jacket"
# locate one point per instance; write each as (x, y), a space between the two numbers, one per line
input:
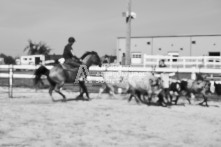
(67, 54)
(69, 57)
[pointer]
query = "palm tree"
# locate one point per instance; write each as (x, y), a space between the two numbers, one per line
(37, 49)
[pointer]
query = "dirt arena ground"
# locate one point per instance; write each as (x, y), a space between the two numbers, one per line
(32, 119)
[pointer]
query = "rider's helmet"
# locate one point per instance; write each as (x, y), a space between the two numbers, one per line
(71, 40)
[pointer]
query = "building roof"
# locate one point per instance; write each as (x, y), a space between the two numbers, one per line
(171, 36)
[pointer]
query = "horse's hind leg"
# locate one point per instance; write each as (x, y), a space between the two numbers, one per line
(57, 89)
(50, 91)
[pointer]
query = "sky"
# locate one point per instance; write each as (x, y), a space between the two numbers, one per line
(96, 24)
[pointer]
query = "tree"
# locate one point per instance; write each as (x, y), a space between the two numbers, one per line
(37, 48)
(8, 59)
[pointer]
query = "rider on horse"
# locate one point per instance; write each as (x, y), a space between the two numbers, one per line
(71, 59)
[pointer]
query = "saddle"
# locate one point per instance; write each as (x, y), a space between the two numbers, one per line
(67, 68)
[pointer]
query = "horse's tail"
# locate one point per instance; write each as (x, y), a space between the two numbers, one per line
(42, 70)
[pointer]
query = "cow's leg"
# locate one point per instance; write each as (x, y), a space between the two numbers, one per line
(171, 98)
(149, 98)
(133, 94)
(161, 100)
(167, 96)
(111, 92)
(130, 98)
(188, 97)
(144, 99)
(205, 99)
(100, 92)
(176, 100)
(139, 96)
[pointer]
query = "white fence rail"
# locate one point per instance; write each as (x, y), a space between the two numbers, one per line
(182, 65)
(207, 62)
(126, 68)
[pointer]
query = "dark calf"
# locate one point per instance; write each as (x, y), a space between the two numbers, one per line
(195, 87)
(217, 88)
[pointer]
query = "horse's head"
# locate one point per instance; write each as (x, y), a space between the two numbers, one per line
(91, 58)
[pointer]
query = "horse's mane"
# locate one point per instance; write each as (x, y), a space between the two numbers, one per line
(85, 54)
(89, 53)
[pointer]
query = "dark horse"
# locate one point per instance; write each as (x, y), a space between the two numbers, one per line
(61, 74)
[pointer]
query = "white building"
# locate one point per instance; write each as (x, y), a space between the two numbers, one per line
(32, 59)
(185, 45)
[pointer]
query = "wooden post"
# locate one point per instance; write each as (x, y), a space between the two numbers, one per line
(128, 35)
(10, 81)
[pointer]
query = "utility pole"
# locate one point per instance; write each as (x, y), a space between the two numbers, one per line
(129, 16)
(128, 34)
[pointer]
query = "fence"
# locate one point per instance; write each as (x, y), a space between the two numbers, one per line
(208, 65)
(207, 62)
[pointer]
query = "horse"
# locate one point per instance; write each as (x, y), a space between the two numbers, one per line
(62, 73)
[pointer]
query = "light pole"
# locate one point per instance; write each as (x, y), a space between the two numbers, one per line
(129, 16)
(128, 35)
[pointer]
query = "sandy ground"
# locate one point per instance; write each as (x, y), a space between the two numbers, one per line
(32, 119)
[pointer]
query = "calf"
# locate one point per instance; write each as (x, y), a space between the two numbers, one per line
(146, 85)
(217, 88)
(196, 87)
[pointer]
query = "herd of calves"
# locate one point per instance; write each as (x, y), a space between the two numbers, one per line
(147, 86)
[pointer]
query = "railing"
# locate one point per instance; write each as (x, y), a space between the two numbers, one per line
(182, 65)
(206, 62)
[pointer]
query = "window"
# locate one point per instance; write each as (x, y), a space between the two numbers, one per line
(214, 53)
(193, 42)
(136, 55)
(173, 54)
(136, 58)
